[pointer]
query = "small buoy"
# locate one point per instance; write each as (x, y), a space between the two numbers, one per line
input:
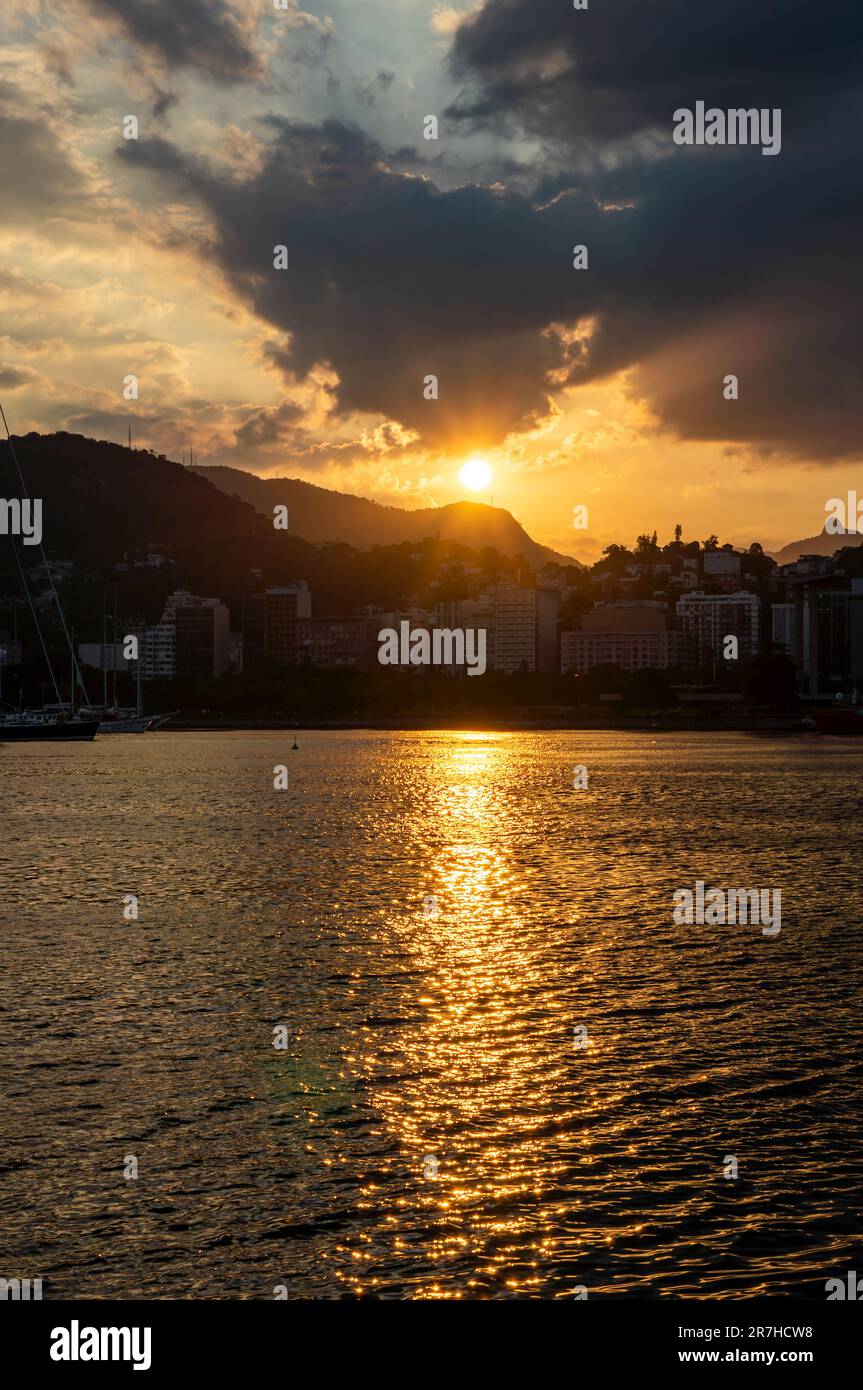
(295, 747)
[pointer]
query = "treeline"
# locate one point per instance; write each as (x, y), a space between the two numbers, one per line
(304, 692)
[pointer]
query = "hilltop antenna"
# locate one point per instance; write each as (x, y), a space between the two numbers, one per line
(130, 436)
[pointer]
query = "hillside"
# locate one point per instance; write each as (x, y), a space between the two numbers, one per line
(102, 501)
(105, 505)
(319, 514)
(812, 545)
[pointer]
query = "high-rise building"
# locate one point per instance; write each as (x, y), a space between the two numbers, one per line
(202, 638)
(254, 629)
(828, 632)
(782, 627)
(525, 628)
(514, 629)
(520, 626)
(464, 613)
(547, 644)
(280, 633)
(157, 650)
(270, 623)
(710, 618)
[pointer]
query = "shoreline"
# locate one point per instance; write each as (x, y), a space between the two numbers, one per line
(636, 724)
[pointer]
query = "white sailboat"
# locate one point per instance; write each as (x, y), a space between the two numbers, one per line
(126, 721)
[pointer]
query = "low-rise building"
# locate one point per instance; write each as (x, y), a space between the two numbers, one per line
(721, 564)
(631, 651)
(334, 643)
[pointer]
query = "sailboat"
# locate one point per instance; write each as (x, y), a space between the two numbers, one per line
(30, 726)
(113, 719)
(60, 722)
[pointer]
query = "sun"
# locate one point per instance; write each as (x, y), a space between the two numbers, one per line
(476, 475)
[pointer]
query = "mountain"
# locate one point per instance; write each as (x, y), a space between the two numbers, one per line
(319, 514)
(813, 545)
(103, 502)
(106, 506)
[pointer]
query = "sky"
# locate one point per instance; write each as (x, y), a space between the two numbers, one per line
(305, 126)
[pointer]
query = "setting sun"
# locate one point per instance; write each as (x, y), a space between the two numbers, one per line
(475, 474)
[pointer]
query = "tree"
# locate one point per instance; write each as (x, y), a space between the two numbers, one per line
(607, 679)
(771, 679)
(648, 689)
(678, 531)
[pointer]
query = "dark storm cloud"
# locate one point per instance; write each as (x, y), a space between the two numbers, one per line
(624, 66)
(717, 261)
(743, 265)
(200, 34)
(391, 280)
(726, 265)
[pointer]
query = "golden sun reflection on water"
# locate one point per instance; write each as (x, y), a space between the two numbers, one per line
(476, 1075)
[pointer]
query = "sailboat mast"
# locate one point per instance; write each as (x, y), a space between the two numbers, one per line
(114, 662)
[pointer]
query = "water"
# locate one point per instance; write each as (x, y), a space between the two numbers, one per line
(421, 1042)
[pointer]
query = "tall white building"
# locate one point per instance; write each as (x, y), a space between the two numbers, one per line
(520, 626)
(525, 629)
(514, 630)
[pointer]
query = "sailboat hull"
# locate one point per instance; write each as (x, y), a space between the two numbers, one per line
(75, 731)
(126, 726)
(139, 724)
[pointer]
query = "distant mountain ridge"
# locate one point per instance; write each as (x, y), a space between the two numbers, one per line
(320, 514)
(151, 525)
(812, 545)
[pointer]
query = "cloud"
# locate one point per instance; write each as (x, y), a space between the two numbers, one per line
(275, 425)
(37, 174)
(201, 34)
(704, 262)
(620, 68)
(721, 264)
(446, 19)
(13, 378)
(391, 280)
